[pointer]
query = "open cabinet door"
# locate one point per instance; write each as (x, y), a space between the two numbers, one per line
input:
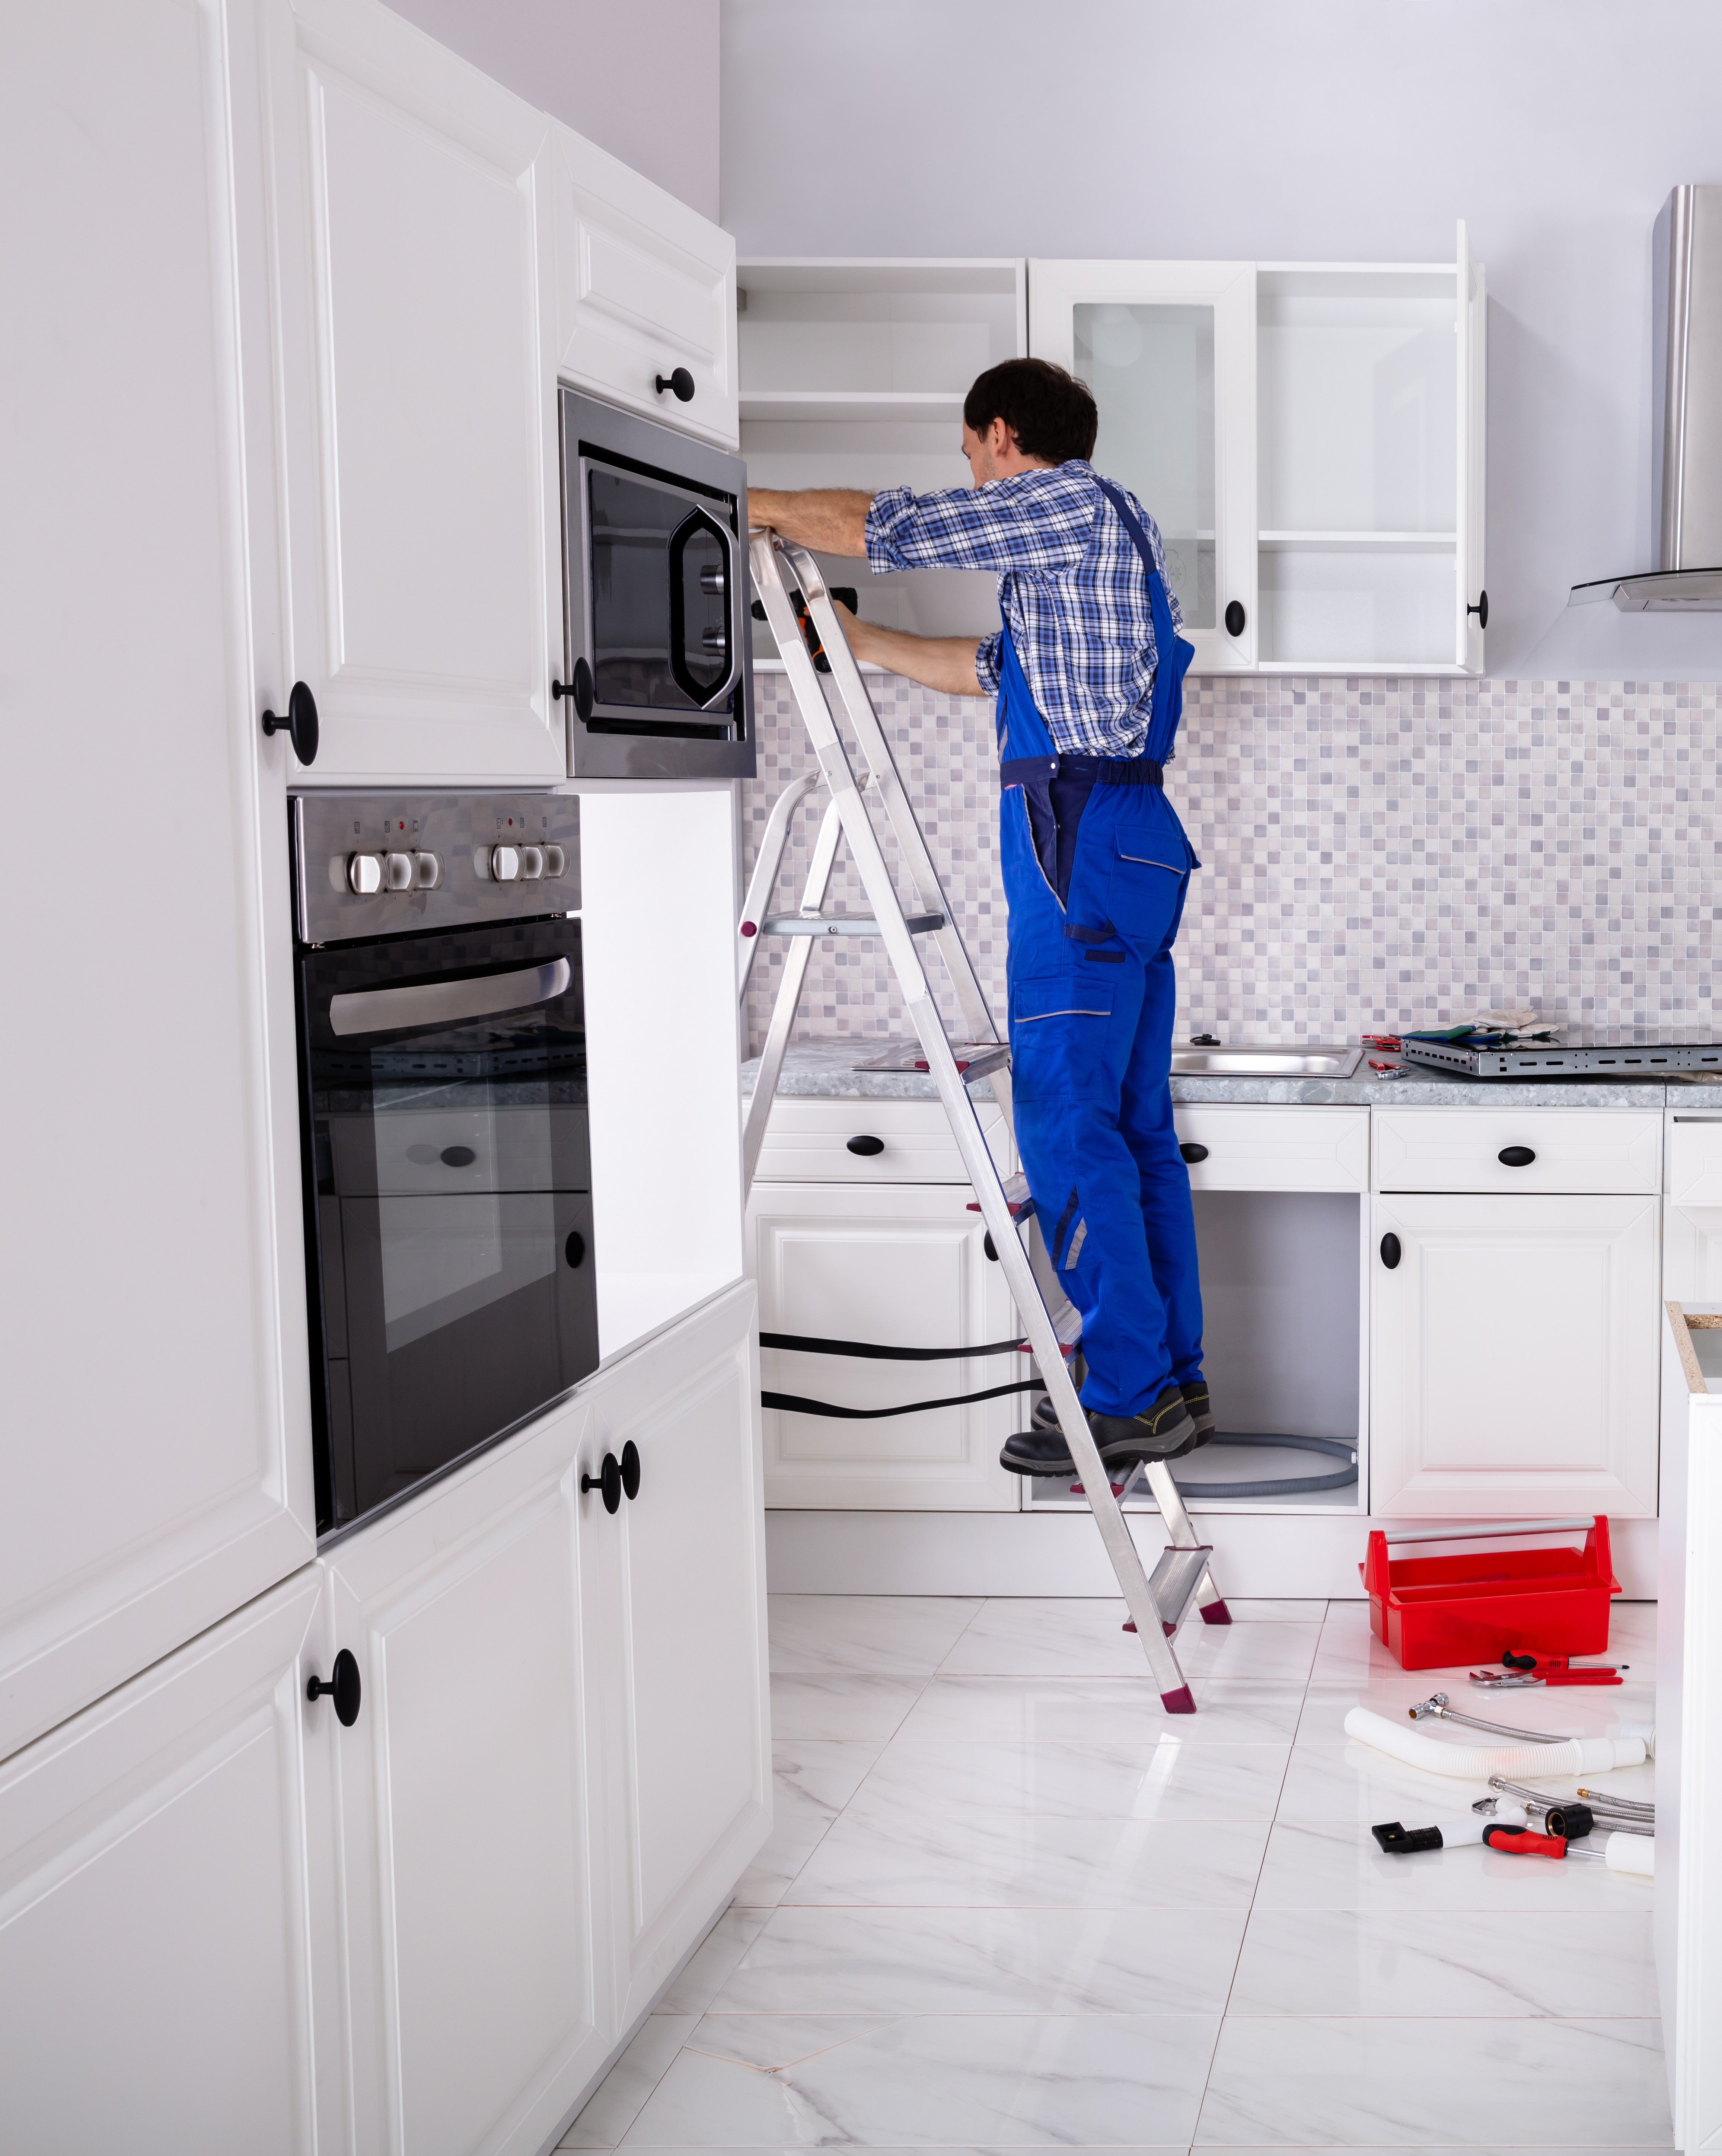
(1471, 326)
(1168, 349)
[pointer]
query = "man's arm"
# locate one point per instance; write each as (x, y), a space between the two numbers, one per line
(936, 662)
(830, 520)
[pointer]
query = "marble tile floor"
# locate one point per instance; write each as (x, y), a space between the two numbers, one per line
(1008, 1905)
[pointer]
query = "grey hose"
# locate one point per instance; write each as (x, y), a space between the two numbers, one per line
(1280, 1485)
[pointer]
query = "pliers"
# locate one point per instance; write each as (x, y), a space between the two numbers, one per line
(1525, 1668)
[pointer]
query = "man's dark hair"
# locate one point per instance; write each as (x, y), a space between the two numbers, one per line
(1050, 411)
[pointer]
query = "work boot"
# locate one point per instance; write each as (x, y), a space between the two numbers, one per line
(1036, 1452)
(1202, 1412)
(1161, 1431)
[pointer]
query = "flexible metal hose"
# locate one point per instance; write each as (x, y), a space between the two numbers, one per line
(1574, 1755)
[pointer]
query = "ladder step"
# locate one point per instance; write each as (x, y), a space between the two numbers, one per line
(1175, 1580)
(1016, 1196)
(846, 924)
(974, 1060)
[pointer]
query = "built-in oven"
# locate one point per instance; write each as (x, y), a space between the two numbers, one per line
(658, 673)
(444, 1119)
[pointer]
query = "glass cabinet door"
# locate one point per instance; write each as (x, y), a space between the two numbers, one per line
(1168, 350)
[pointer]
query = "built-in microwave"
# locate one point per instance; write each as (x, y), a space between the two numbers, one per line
(658, 678)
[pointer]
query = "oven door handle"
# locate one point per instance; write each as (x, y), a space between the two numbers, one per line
(447, 1003)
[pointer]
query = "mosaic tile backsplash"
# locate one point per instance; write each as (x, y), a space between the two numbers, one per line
(1377, 854)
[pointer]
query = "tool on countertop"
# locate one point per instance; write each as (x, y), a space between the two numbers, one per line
(790, 584)
(1436, 1705)
(1526, 1669)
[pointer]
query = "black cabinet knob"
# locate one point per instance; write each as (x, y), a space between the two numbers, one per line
(1389, 1251)
(343, 1687)
(681, 385)
(457, 1155)
(579, 688)
(1193, 1153)
(301, 724)
(1515, 1156)
(1234, 618)
(574, 1249)
(866, 1146)
(630, 1470)
(1481, 609)
(608, 1481)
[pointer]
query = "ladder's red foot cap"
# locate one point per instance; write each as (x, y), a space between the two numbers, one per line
(1169, 1629)
(1130, 1624)
(1215, 1613)
(1179, 1702)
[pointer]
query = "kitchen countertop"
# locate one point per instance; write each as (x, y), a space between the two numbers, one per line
(823, 1069)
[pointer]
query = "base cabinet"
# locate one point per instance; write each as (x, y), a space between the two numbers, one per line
(1514, 1355)
(903, 1266)
(156, 1920)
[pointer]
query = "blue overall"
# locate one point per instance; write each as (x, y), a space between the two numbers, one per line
(1096, 865)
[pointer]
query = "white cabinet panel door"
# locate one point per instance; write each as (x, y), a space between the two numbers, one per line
(155, 1449)
(676, 1624)
(645, 285)
(412, 211)
(1514, 1356)
(1168, 349)
(1473, 409)
(155, 1928)
(1518, 1150)
(480, 2006)
(902, 1267)
(1249, 1148)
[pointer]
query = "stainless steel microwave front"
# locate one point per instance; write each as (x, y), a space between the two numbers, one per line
(657, 680)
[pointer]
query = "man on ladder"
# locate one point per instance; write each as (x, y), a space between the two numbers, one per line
(1088, 670)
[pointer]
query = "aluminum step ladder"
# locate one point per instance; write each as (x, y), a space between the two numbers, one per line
(1183, 1576)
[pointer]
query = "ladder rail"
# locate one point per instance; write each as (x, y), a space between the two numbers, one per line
(789, 997)
(850, 809)
(763, 881)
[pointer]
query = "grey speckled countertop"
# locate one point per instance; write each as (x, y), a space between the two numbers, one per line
(824, 1069)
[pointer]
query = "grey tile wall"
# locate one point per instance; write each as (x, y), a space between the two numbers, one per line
(1377, 853)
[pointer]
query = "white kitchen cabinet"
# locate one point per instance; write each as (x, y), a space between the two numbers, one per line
(156, 1923)
(645, 285)
(154, 1424)
(413, 258)
(872, 1142)
(473, 1955)
(1168, 349)
(1309, 437)
(675, 1603)
(1513, 1354)
(1516, 1149)
(904, 1266)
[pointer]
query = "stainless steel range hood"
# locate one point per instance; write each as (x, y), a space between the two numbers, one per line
(1674, 612)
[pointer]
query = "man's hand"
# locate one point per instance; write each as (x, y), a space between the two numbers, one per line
(830, 520)
(936, 662)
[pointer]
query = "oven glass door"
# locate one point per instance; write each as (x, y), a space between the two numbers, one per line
(450, 1198)
(661, 617)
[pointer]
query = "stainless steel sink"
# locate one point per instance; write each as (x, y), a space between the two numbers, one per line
(1265, 1062)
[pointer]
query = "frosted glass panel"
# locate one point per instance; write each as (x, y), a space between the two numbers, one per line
(1151, 369)
(1352, 606)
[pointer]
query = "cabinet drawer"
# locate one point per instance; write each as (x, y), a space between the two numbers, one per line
(1572, 1149)
(1694, 1160)
(1246, 1148)
(808, 1142)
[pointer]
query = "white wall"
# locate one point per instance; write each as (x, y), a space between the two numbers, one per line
(1325, 130)
(637, 77)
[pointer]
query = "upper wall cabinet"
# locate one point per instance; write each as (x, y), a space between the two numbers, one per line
(1309, 439)
(414, 225)
(155, 1447)
(644, 294)
(853, 374)
(1168, 349)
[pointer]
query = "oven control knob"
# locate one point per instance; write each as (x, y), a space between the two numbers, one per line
(364, 874)
(531, 863)
(398, 871)
(428, 871)
(505, 864)
(556, 862)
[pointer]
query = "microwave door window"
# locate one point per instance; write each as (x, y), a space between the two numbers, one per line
(661, 610)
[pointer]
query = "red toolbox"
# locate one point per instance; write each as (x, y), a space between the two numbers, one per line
(1435, 1611)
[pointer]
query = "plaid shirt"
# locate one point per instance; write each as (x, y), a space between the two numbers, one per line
(1071, 585)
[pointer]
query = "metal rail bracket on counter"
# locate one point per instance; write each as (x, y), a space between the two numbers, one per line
(1183, 1573)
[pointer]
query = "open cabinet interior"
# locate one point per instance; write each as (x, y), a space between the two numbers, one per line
(1357, 420)
(853, 374)
(1282, 1335)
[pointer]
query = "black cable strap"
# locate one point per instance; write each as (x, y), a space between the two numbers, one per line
(804, 1343)
(797, 1405)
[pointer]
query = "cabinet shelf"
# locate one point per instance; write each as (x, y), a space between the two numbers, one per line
(1412, 543)
(826, 404)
